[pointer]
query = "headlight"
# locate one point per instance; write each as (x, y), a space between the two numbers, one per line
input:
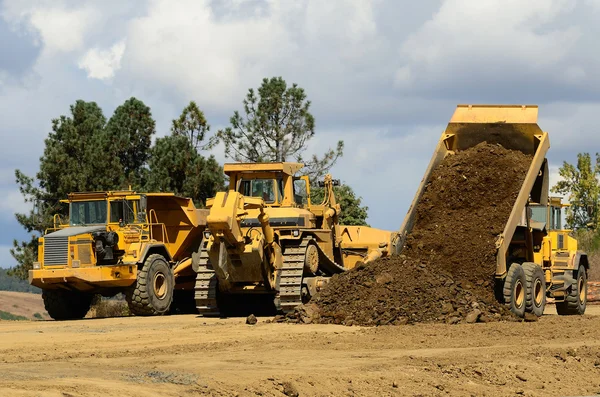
(295, 233)
(36, 266)
(206, 234)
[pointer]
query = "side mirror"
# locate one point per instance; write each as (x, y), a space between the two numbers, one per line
(143, 203)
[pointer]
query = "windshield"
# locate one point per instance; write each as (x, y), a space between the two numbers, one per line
(87, 213)
(538, 213)
(266, 189)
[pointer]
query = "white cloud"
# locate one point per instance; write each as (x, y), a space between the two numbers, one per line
(348, 55)
(102, 64)
(490, 41)
(184, 49)
(60, 29)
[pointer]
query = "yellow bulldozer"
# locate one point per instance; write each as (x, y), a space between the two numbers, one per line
(139, 244)
(266, 236)
(536, 259)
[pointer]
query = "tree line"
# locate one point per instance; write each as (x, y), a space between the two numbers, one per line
(86, 152)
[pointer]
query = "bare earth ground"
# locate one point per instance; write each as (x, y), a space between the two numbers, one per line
(22, 304)
(189, 355)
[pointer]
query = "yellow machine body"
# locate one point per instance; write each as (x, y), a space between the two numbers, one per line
(265, 235)
(108, 235)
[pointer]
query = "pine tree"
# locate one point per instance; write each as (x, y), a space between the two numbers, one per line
(130, 130)
(176, 165)
(276, 127)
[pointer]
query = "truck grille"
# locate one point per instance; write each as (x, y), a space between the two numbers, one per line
(56, 250)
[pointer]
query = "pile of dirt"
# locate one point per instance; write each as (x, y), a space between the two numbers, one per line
(446, 270)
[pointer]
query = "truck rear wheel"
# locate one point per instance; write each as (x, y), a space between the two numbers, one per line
(536, 288)
(576, 301)
(152, 293)
(66, 305)
(514, 291)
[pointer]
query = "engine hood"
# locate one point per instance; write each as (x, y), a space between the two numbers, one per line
(75, 230)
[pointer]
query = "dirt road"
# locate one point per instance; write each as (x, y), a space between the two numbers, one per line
(188, 355)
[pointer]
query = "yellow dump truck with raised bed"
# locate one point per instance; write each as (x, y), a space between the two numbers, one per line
(536, 259)
(139, 244)
(266, 236)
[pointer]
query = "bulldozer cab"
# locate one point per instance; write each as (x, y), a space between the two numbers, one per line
(274, 183)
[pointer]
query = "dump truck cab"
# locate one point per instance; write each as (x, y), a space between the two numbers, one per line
(109, 242)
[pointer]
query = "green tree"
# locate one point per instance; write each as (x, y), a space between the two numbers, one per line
(276, 126)
(580, 184)
(352, 211)
(192, 125)
(176, 165)
(130, 130)
(78, 156)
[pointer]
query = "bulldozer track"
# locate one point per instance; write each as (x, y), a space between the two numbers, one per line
(290, 281)
(205, 290)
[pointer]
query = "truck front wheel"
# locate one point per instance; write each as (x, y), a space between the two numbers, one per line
(576, 301)
(152, 293)
(63, 304)
(515, 290)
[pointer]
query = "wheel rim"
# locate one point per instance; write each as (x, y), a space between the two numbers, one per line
(160, 285)
(538, 292)
(312, 259)
(519, 294)
(581, 286)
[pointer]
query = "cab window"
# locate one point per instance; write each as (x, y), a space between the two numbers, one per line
(266, 189)
(123, 211)
(300, 194)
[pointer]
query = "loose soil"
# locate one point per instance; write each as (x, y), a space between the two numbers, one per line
(446, 270)
(190, 356)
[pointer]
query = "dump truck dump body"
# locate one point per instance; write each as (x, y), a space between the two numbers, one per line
(524, 249)
(512, 126)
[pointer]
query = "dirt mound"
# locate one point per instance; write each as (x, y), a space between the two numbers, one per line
(445, 272)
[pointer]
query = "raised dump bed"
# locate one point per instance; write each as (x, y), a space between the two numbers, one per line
(512, 126)
(535, 258)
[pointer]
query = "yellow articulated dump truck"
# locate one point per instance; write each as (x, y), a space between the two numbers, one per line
(536, 258)
(266, 236)
(140, 244)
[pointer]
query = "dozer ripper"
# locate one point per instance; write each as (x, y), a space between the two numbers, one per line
(139, 244)
(536, 259)
(264, 235)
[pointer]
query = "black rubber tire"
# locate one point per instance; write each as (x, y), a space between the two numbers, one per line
(535, 298)
(514, 290)
(575, 303)
(143, 297)
(66, 305)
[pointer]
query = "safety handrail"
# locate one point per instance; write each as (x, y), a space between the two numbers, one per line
(163, 229)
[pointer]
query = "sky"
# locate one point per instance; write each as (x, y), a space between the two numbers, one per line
(384, 76)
